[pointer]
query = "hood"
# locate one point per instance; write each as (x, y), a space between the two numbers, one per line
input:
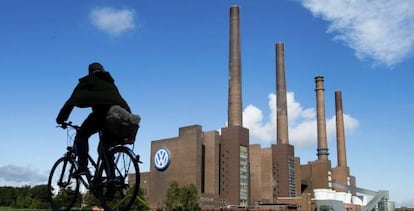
(102, 75)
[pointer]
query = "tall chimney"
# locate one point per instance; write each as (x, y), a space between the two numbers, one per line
(340, 131)
(321, 121)
(235, 94)
(282, 116)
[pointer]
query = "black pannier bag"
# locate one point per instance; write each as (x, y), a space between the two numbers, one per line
(121, 126)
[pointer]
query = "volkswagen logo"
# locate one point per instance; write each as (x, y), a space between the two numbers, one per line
(161, 159)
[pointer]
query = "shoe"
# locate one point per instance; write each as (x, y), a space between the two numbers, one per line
(81, 171)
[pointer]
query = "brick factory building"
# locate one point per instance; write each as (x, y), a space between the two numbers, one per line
(227, 171)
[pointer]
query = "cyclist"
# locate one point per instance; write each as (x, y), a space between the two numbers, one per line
(98, 91)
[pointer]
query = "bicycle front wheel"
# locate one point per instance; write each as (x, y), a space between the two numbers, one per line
(119, 191)
(63, 188)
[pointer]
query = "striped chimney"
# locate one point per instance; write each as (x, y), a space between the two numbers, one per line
(321, 121)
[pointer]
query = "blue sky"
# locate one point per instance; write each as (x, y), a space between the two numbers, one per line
(170, 61)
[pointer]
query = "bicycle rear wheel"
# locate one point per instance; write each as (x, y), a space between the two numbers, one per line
(63, 188)
(119, 192)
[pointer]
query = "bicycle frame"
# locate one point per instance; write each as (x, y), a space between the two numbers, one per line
(87, 179)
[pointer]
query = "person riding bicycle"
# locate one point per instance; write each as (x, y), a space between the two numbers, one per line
(98, 91)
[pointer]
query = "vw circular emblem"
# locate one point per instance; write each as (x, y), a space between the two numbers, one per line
(161, 159)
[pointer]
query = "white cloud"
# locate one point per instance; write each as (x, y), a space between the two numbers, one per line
(260, 129)
(112, 21)
(302, 124)
(19, 175)
(382, 30)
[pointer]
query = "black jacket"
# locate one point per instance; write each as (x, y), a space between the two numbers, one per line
(97, 90)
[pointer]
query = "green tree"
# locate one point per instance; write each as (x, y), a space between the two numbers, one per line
(65, 195)
(23, 201)
(23, 198)
(181, 198)
(90, 200)
(39, 197)
(38, 204)
(7, 196)
(189, 197)
(172, 197)
(138, 205)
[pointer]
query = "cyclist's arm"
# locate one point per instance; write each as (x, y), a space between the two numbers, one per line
(68, 106)
(64, 113)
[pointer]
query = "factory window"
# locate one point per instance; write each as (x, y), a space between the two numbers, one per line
(220, 167)
(203, 167)
(244, 173)
(291, 169)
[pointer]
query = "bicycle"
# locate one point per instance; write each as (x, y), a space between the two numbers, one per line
(115, 166)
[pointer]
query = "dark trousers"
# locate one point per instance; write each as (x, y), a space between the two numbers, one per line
(92, 124)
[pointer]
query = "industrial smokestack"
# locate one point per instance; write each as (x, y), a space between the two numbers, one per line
(321, 121)
(235, 93)
(340, 131)
(282, 116)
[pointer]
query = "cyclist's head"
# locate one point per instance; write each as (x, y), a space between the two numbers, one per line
(95, 67)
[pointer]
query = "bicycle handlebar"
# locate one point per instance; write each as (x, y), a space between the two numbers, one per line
(64, 125)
